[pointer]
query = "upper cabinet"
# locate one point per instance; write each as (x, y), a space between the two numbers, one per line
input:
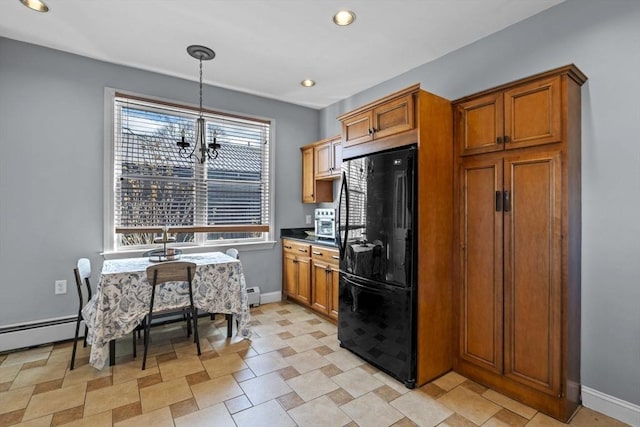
(523, 116)
(389, 116)
(328, 158)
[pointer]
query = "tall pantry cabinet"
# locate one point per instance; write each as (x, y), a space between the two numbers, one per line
(518, 234)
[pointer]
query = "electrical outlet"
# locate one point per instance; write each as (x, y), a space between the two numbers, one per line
(60, 287)
(308, 219)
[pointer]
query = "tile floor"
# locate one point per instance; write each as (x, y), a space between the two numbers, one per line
(292, 372)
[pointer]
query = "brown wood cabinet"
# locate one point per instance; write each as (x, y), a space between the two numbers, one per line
(328, 158)
(391, 115)
(296, 272)
(525, 115)
(325, 280)
(313, 190)
(518, 248)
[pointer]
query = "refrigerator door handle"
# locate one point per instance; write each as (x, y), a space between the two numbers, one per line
(342, 242)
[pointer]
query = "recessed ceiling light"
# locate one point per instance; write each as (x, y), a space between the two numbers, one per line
(344, 17)
(36, 5)
(308, 83)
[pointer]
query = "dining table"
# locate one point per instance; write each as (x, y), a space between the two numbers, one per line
(123, 294)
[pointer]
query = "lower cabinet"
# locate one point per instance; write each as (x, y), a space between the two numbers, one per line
(310, 276)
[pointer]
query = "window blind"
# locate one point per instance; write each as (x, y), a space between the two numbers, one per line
(155, 187)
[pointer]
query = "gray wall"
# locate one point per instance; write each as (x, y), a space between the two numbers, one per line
(602, 37)
(51, 170)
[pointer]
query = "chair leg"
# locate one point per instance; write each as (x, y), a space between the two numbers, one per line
(229, 318)
(133, 334)
(86, 332)
(187, 316)
(195, 330)
(75, 344)
(146, 341)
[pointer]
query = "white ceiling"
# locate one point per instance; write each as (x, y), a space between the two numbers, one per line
(266, 47)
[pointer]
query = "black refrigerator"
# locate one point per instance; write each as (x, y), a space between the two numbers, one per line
(377, 240)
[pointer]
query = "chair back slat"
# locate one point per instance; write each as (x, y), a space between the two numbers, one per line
(179, 271)
(84, 268)
(233, 252)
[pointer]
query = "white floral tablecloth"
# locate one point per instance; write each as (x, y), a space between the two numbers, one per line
(123, 294)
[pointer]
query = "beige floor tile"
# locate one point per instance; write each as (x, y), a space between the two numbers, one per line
(180, 367)
(357, 382)
(421, 409)
(123, 372)
(303, 343)
(331, 341)
(449, 380)
(243, 375)
(231, 345)
(237, 404)
(84, 374)
(510, 404)
(370, 410)
(224, 365)
(164, 394)
(111, 397)
(8, 373)
(38, 375)
(20, 357)
(217, 390)
(266, 344)
(38, 422)
(269, 414)
(307, 361)
(13, 400)
(265, 363)
(344, 359)
(311, 385)
(391, 382)
(265, 387)
(542, 420)
(469, 404)
(506, 418)
(102, 419)
(158, 418)
(589, 418)
(216, 415)
(55, 401)
(267, 330)
(319, 412)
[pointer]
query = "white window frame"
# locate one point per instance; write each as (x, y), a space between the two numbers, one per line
(200, 244)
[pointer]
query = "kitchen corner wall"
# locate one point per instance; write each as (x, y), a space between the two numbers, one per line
(602, 37)
(51, 170)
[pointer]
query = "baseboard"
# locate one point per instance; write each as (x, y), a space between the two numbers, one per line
(611, 406)
(270, 297)
(31, 334)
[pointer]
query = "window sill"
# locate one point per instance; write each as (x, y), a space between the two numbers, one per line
(242, 247)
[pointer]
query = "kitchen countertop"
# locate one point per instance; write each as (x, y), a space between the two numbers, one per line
(300, 235)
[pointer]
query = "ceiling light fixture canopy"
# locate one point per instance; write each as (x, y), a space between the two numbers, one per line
(36, 5)
(344, 18)
(207, 150)
(308, 83)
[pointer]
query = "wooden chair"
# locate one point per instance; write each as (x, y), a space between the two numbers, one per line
(177, 271)
(82, 273)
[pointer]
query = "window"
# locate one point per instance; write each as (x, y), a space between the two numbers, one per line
(221, 201)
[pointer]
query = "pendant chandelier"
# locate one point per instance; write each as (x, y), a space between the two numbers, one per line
(207, 150)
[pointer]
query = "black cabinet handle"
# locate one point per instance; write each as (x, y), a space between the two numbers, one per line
(370, 131)
(498, 201)
(506, 202)
(507, 139)
(499, 140)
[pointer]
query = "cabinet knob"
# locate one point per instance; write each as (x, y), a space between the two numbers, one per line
(317, 253)
(507, 139)
(370, 131)
(499, 140)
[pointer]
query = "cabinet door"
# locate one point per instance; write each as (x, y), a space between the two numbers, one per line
(304, 280)
(393, 117)
(479, 125)
(357, 129)
(334, 291)
(289, 274)
(323, 160)
(320, 290)
(480, 259)
(532, 114)
(308, 178)
(532, 235)
(336, 151)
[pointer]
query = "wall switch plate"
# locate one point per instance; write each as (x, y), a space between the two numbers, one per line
(61, 287)
(308, 219)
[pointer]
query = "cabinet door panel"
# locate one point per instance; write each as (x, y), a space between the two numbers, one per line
(304, 280)
(393, 117)
(481, 264)
(290, 274)
(533, 114)
(480, 124)
(334, 291)
(336, 148)
(320, 289)
(356, 129)
(324, 165)
(308, 178)
(533, 270)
